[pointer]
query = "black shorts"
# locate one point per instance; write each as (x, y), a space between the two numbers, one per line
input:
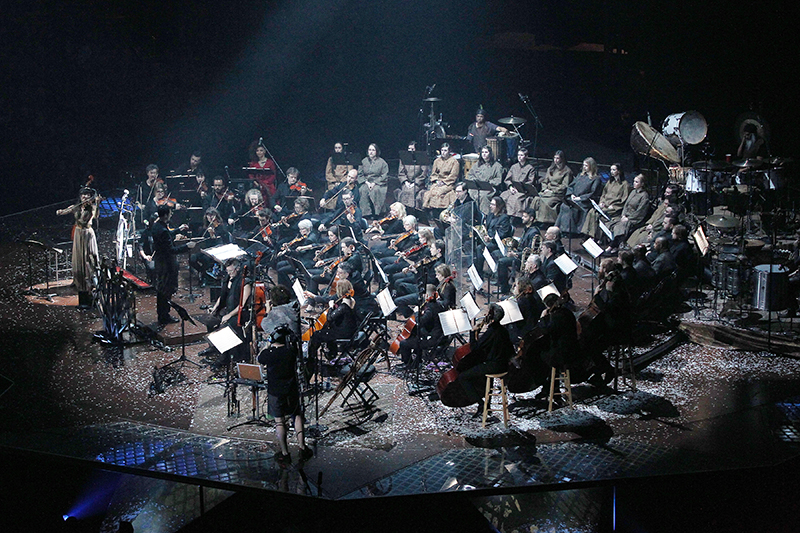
(284, 405)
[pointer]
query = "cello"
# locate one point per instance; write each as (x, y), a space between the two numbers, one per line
(449, 388)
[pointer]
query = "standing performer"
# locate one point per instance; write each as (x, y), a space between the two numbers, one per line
(552, 188)
(373, 175)
(265, 179)
(166, 262)
(85, 257)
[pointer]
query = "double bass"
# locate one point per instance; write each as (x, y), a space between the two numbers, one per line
(449, 388)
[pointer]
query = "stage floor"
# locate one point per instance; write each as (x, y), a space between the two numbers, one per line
(697, 409)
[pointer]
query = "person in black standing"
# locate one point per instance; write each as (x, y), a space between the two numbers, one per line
(283, 392)
(166, 262)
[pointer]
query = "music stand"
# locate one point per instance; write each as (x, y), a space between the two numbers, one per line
(182, 360)
(476, 185)
(595, 251)
(252, 376)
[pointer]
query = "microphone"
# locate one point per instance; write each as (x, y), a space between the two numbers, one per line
(126, 191)
(433, 87)
(261, 141)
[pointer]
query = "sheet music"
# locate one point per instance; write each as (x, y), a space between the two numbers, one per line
(455, 321)
(469, 305)
(701, 240)
(500, 245)
(298, 291)
(487, 255)
(547, 289)
(224, 252)
(593, 248)
(599, 210)
(384, 299)
(605, 230)
(224, 339)
(566, 264)
(474, 277)
(513, 314)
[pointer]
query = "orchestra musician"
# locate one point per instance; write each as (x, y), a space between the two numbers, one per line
(577, 202)
(530, 307)
(400, 244)
(479, 130)
(406, 292)
(612, 201)
(265, 178)
(346, 216)
(365, 303)
(350, 183)
(443, 176)
(221, 199)
(520, 172)
(493, 349)
(213, 228)
(511, 261)
(335, 174)
(160, 197)
(446, 288)
(412, 181)
(552, 187)
(373, 174)
(342, 322)
(654, 223)
(562, 349)
(300, 248)
(427, 333)
(487, 170)
(166, 262)
(393, 267)
(633, 214)
(233, 301)
(550, 268)
(289, 191)
(496, 222)
(288, 224)
(325, 268)
(195, 168)
(150, 183)
(85, 255)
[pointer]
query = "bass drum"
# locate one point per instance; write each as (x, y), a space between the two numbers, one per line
(689, 127)
(646, 140)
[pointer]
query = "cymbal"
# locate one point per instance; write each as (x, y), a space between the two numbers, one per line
(710, 165)
(750, 163)
(432, 99)
(512, 121)
(722, 222)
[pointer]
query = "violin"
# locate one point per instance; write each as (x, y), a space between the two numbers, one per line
(288, 245)
(285, 220)
(171, 202)
(299, 186)
(427, 261)
(376, 226)
(401, 238)
(412, 251)
(324, 250)
(202, 187)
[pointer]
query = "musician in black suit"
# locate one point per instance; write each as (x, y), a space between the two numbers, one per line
(496, 222)
(430, 329)
(551, 269)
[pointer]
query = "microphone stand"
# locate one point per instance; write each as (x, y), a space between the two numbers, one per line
(537, 123)
(261, 143)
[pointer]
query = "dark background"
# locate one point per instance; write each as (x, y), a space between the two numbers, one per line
(104, 88)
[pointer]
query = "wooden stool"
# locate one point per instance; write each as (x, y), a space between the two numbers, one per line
(622, 356)
(562, 377)
(493, 390)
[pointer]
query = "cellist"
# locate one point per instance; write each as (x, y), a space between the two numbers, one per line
(342, 322)
(430, 329)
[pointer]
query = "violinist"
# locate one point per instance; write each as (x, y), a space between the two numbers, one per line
(348, 255)
(288, 191)
(300, 248)
(430, 332)
(530, 307)
(166, 262)
(350, 183)
(222, 199)
(213, 228)
(365, 303)
(391, 224)
(410, 256)
(446, 289)
(264, 176)
(148, 187)
(85, 256)
(402, 242)
(406, 286)
(287, 224)
(253, 200)
(160, 197)
(493, 349)
(347, 216)
(342, 322)
(324, 259)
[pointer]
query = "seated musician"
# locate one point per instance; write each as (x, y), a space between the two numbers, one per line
(530, 306)
(663, 263)
(342, 322)
(430, 332)
(406, 286)
(401, 243)
(412, 181)
(550, 268)
(653, 224)
(552, 187)
(222, 199)
(562, 350)
(479, 130)
(390, 225)
(336, 174)
(348, 217)
(487, 170)
(394, 267)
(520, 172)
(446, 289)
(644, 271)
(629, 275)
(160, 197)
(234, 296)
(325, 267)
(214, 228)
(633, 214)
(585, 187)
(288, 191)
(263, 232)
(148, 187)
(288, 224)
(532, 271)
(301, 248)
(553, 234)
(493, 349)
(365, 302)
(496, 222)
(265, 178)
(612, 200)
(350, 183)
(682, 251)
(373, 174)
(443, 176)
(511, 261)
